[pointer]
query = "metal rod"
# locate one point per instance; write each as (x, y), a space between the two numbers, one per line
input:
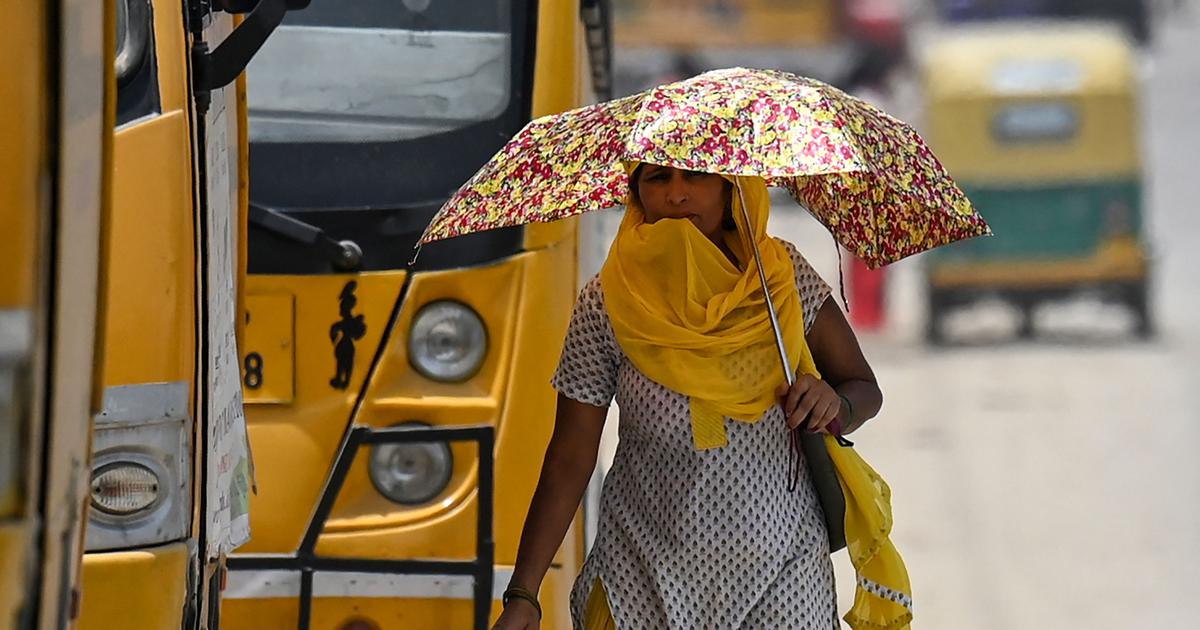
(333, 485)
(485, 545)
(306, 588)
(404, 435)
(762, 277)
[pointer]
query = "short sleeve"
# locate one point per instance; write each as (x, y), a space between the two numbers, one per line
(587, 369)
(813, 288)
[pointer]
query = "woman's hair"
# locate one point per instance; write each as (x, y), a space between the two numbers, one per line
(727, 222)
(633, 181)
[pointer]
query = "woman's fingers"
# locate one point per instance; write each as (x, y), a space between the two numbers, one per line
(811, 399)
(824, 414)
(796, 392)
(808, 402)
(790, 400)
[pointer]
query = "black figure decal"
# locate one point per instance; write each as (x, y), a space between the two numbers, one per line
(343, 333)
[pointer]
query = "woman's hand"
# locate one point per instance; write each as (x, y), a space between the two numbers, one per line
(518, 615)
(811, 399)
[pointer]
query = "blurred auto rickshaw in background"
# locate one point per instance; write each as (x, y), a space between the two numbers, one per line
(1039, 123)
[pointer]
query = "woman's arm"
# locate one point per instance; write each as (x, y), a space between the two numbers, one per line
(842, 364)
(844, 371)
(566, 470)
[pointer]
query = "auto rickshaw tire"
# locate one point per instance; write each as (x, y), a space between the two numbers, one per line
(933, 319)
(1139, 303)
(1026, 329)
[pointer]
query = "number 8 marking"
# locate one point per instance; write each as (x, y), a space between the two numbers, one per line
(254, 367)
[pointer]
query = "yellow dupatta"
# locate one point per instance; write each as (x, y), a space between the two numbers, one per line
(695, 322)
(882, 593)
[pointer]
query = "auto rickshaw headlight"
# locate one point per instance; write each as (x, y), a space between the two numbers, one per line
(411, 473)
(124, 488)
(141, 467)
(447, 342)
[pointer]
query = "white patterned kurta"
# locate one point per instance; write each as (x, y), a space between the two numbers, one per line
(693, 539)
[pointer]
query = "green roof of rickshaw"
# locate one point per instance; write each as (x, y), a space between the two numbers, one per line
(1029, 58)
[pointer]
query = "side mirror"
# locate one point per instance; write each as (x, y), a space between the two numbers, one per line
(219, 68)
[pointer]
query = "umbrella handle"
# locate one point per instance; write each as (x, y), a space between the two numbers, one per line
(835, 427)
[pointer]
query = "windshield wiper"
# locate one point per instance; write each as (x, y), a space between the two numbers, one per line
(345, 255)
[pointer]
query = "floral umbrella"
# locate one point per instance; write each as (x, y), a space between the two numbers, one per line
(865, 175)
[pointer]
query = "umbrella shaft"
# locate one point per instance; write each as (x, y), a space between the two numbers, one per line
(762, 277)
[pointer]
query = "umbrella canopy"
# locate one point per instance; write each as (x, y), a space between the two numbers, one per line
(867, 176)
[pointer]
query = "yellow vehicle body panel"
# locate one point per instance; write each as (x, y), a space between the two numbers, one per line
(149, 289)
(972, 76)
(56, 108)
(16, 537)
(398, 393)
(23, 206)
(170, 49)
(23, 160)
(294, 441)
(150, 285)
(521, 308)
(315, 420)
(262, 612)
(363, 523)
(158, 577)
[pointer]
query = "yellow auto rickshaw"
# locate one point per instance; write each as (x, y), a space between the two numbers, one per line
(1039, 124)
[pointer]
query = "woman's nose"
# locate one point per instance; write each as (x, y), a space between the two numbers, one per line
(677, 191)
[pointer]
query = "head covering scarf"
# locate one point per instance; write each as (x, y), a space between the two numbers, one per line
(697, 323)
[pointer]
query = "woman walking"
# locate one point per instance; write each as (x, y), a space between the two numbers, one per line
(698, 527)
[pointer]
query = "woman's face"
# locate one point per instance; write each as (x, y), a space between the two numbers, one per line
(670, 193)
